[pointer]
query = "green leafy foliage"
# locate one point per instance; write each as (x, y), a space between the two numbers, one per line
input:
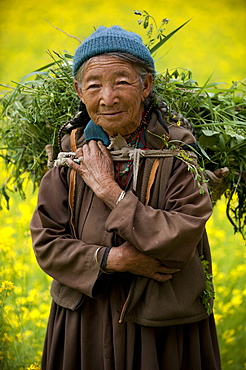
(45, 99)
(32, 116)
(208, 292)
(218, 118)
(186, 157)
(155, 34)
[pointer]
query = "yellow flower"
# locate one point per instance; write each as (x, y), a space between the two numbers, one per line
(218, 317)
(220, 277)
(237, 300)
(34, 366)
(222, 290)
(229, 335)
(19, 337)
(6, 338)
(7, 285)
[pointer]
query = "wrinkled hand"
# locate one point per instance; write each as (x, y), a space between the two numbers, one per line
(96, 166)
(128, 258)
(97, 170)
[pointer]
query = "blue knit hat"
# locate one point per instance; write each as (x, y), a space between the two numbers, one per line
(113, 39)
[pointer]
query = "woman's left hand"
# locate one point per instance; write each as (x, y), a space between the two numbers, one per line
(97, 170)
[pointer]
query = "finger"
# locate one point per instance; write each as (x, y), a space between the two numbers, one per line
(161, 278)
(101, 146)
(86, 149)
(79, 152)
(93, 144)
(72, 164)
(103, 149)
(165, 278)
(167, 270)
(91, 150)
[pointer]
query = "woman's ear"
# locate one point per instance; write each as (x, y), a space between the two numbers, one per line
(77, 86)
(147, 85)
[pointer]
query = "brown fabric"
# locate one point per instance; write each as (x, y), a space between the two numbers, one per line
(91, 335)
(100, 343)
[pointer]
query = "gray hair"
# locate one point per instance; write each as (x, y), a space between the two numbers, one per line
(141, 68)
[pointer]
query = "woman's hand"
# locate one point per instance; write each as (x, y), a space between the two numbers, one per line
(97, 170)
(128, 258)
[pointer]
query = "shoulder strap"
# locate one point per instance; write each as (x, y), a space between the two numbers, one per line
(164, 174)
(162, 177)
(73, 140)
(76, 187)
(151, 179)
(72, 181)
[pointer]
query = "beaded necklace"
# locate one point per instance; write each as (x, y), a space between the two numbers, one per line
(143, 124)
(138, 142)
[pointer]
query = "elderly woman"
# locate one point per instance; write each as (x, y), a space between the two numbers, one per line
(121, 227)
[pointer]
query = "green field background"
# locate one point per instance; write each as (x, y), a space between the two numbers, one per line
(211, 45)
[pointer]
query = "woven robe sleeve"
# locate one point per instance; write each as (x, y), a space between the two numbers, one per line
(170, 234)
(68, 260)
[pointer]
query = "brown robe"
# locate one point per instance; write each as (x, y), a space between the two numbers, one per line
(166, 327)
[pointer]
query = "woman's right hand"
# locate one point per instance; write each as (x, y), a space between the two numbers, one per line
(128, 258)
(97, 170)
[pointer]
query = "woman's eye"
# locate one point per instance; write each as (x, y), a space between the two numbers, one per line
(122, 82)
(93, 86)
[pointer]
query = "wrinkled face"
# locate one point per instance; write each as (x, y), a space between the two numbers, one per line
(113, 94)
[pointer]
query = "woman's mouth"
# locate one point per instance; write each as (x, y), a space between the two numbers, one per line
(111, 113)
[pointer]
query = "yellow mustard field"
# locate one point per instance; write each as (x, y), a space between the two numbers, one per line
(211, 44)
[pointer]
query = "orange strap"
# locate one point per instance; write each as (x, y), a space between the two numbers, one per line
(73, 140)
(72, 180)
(151, 179)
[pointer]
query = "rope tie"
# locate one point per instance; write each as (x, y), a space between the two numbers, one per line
(126, 154)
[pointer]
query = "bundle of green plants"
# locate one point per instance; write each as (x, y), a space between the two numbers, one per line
(31, 117)
(44, 100)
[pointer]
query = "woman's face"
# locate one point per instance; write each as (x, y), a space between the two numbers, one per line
(113, 94)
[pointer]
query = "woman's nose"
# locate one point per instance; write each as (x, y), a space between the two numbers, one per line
(109, 96)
